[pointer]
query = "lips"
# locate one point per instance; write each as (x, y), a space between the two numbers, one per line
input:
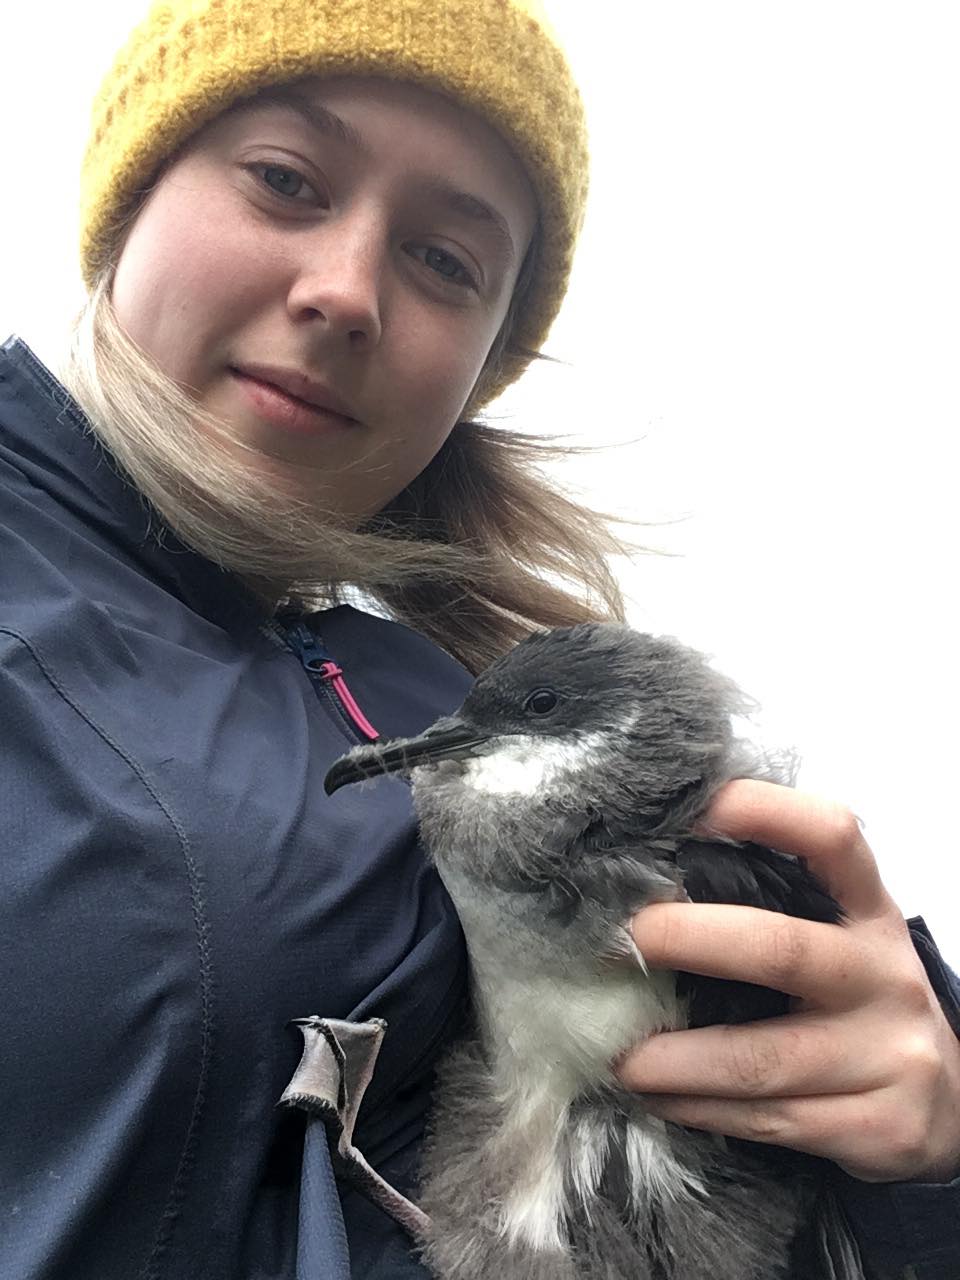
(300, 387)
(277, 408)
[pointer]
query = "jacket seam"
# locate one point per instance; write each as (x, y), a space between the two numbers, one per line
(171, 1210)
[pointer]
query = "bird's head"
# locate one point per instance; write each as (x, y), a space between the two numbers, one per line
(592, 719)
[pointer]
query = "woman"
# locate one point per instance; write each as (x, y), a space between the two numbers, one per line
(371, 208)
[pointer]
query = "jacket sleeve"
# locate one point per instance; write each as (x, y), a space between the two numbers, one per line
(911, 1230)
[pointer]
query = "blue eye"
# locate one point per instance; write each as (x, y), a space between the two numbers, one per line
(289, 177)
(443, 264)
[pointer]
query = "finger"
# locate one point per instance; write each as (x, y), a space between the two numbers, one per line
(793, 1056)
(825, 834)
(869, 1135)
(804, 1124)
(817, 962)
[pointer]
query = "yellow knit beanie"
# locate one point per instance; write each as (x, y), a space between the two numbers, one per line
(189, 59)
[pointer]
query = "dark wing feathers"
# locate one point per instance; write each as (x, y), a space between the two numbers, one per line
(715, 871)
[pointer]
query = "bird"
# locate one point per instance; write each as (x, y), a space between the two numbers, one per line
(561, 798)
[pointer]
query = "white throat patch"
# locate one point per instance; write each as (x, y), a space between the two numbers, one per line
(526, 765)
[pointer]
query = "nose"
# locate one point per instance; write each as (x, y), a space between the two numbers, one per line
(339, 279)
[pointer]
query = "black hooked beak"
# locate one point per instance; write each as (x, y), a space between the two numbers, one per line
(447, 740)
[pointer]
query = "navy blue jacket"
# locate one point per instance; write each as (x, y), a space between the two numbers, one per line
(175, 887)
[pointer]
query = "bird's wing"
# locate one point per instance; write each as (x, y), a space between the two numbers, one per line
(750, 875)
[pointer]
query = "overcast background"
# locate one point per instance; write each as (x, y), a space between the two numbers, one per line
(763, 325)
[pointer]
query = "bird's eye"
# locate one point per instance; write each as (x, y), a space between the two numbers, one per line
(541, 702)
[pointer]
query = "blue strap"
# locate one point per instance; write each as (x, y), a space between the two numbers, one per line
(322, 1252)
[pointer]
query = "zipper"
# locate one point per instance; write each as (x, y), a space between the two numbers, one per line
(327, 679)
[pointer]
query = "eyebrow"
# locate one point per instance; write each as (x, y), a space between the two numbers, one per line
(457, 201)
(329, 125)
(320, 119)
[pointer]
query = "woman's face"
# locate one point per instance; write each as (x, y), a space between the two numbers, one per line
(368, 243)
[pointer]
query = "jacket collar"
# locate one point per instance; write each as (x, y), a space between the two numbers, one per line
(54, 444)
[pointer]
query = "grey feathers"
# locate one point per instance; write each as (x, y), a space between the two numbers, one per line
(733, 1223)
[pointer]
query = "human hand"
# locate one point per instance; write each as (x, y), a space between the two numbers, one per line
(865, 1069)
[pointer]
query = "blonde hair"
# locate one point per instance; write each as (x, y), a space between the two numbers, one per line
(478, 551)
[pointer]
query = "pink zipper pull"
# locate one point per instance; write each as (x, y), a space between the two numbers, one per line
(334, 674)
(309, 649)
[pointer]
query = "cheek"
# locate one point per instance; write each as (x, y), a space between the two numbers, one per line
(177, 291)
(437, 364)
(436, 380)
(431, 373)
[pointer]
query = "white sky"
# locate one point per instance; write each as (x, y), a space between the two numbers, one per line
(764, 321)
